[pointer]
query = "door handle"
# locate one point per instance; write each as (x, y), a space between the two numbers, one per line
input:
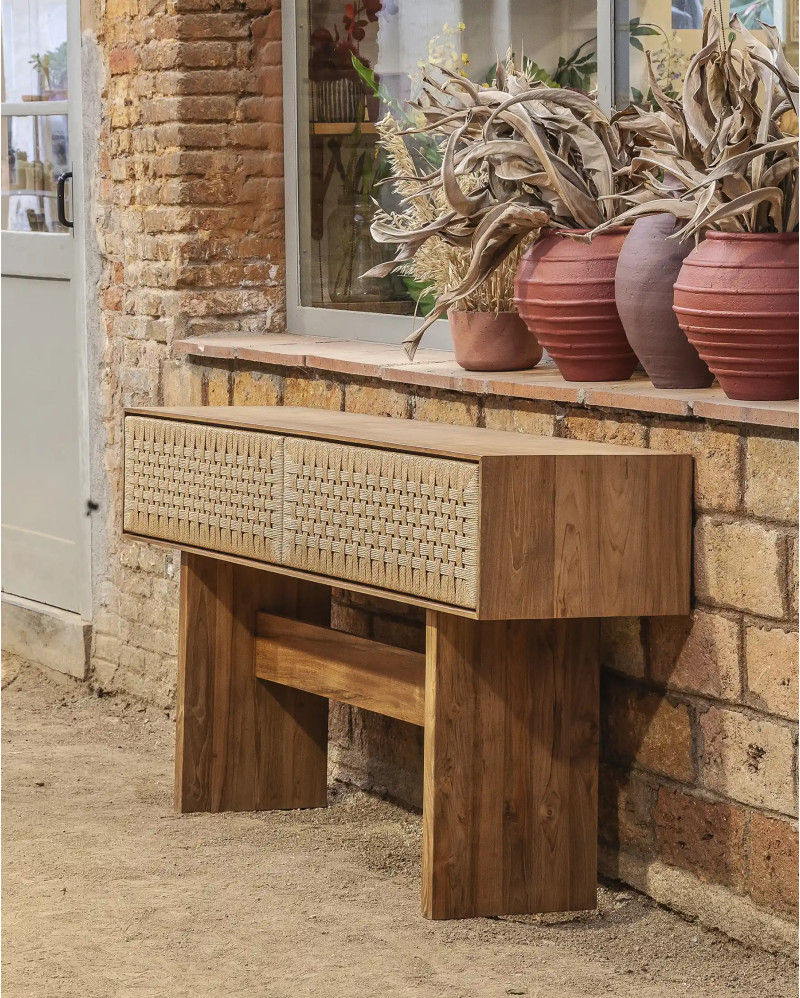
(60, 202)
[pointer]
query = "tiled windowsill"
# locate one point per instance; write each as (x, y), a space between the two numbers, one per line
(438, 369)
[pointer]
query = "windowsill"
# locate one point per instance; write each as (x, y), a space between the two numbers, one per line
(438, 369)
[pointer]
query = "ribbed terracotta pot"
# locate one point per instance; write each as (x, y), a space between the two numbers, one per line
(564, 290)
(736, 300)
(647, 269)
(492, 341)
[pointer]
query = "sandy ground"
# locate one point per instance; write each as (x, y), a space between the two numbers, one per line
(107, 893)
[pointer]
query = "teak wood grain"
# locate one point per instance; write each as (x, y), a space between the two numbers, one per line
(584, 536)
(342, 667)
(243, 744)
(566, 529)
(510, 794)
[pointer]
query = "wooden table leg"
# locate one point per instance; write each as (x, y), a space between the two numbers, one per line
(510, 795)
(244, 744)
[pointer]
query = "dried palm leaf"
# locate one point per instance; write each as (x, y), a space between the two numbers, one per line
(517, 159)
(724, 144)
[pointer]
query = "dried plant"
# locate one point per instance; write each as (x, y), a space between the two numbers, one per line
(723, 156)
(438, 264)
(517, 159)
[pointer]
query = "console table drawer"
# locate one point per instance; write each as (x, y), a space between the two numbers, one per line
(397, 521)
(204, 486)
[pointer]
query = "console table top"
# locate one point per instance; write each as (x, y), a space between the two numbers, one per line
(460, 442)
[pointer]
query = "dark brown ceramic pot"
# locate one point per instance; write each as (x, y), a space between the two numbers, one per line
(492, 341)
(647, 269)
(564, 290)
(736, 300)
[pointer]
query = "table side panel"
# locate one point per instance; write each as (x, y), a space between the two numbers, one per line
(623, 536)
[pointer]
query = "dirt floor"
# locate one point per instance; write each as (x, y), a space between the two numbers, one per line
(107, 893)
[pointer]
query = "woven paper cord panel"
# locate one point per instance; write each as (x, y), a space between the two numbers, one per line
(396, 521)
(204, 486)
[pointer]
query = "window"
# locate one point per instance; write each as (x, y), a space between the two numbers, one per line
(347, 63)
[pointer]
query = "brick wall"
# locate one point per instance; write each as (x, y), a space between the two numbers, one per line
(699, 732)
(188, 222)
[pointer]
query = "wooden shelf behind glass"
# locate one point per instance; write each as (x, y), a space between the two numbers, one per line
(342, 127)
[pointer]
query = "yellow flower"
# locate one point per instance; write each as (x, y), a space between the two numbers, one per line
(464, 58)
(462, 26)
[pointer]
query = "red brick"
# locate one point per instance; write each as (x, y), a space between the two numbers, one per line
(704, 837)
(773, 865)
(122, 61)
(200, 55)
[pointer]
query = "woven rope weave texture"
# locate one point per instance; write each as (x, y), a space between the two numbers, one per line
(387, 519)
(204, 486)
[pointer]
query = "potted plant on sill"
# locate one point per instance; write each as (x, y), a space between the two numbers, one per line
(735, 295)
(523, 165)
(488, 333)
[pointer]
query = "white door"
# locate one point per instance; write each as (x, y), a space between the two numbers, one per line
(44, 534)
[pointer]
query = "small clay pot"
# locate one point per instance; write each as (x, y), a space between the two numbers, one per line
(736, 300)
(647, 269)
(564, 290)
(492, 341)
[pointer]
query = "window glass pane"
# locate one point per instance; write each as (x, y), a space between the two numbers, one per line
(340, 163)
(34, 50)
(35, 153)
(671, 32)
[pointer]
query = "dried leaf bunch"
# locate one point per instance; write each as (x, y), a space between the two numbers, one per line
(721, 156)
(438, 263)
(517, 159)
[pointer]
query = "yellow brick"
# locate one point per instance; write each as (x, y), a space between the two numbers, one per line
(772, 669)
(522, 417)
(459, 411)
(218, 385)
(254, 388)
(717, 460)
(738, 565)
(748, 758)
(313, 392)
(182, 383)
(602, 430)
(771, 477)
(376, 400)
(698, 653)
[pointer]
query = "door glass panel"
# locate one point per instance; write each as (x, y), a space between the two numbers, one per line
(35, 152)
(340, 162)
(34, 50)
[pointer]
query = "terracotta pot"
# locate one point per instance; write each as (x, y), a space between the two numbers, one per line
(564, 290)
(492, 341)
(736, 300)
(647, 269)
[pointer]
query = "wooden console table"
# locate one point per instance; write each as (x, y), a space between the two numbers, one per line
(515, 545)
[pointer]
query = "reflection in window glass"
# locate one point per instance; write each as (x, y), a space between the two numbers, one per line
(365, 58)
(34, 50)
(752, 11)
(687, 14)
(671, 32)
(35, 153)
